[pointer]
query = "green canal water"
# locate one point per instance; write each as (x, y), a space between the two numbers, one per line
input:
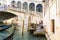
(4, 34)
(18, 35)
(26, 36)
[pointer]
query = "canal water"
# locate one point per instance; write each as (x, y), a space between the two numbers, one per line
(18, 34)
(26, 35)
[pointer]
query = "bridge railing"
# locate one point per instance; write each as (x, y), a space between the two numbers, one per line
(25, 11)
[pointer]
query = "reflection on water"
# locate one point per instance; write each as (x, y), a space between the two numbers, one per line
(18, 35)
(26, 36)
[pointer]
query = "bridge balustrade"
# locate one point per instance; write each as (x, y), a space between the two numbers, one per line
(25, 11)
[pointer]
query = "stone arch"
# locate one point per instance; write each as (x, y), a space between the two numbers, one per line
(13, 3)
(39, 8)
(32, 6)
(25, 5)
(19, 4)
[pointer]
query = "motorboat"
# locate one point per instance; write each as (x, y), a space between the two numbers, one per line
(40, 29)
(37, 28)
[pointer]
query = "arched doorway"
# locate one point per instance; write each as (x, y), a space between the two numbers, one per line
(39, 8)
(32, 7)
(19, 4)
(25, 5)
(13, 3)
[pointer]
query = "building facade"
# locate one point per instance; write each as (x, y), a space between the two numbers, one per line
(49, 12)
(52, 20)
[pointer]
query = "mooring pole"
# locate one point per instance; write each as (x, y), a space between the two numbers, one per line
(23, 28)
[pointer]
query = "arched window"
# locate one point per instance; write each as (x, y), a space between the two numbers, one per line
(25, 5)
(13, 3)
(39, 8)
(32, 7)
(19, 4)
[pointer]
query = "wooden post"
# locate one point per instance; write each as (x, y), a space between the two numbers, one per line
(29, 21)
(23, 28)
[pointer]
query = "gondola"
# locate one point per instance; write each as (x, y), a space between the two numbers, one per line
(4, 27)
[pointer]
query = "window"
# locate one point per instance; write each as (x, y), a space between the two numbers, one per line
(53, 25)
(13, 3)
(25, 5)
(19, 4)
(39, 8)
(32, 7)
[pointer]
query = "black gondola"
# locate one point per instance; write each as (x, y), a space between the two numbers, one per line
(4, 27)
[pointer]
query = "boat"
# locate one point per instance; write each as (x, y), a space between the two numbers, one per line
(37, 29)
(4, 27)
(40, 29)
(6, 30)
